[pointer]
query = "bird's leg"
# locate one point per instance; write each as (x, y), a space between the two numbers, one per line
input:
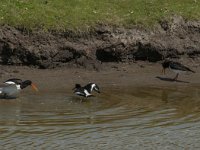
(81, 100)
(176, 77)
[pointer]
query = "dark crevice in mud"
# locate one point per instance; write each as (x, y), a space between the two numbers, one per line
(107, 56)
(172, 39)
(112, 53)
(66, 55)
(147, 52)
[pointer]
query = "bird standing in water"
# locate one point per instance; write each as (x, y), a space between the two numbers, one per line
(86, 90)
(176, 67)
(11, 88)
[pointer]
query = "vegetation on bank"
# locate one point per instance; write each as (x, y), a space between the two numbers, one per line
(75, 14)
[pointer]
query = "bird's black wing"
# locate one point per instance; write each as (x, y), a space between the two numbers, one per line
(88, 87)
(16, 80)
(178, 66)
(80, 92)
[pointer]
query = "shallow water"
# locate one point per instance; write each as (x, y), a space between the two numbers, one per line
(121, 118)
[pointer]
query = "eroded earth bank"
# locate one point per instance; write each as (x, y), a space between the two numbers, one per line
(175, 38)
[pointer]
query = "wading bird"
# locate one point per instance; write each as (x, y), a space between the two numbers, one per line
(176, 67)
(86, 90)
(11, 88)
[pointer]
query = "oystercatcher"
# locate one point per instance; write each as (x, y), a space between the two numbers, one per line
(86, 90)
(176, 67)
(10, 88)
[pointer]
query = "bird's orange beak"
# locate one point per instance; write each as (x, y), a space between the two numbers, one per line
(163, 71)
(34, 87)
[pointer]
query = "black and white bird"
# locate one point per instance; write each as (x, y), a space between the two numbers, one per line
(11, 88)
(176, 67)
(86, 90)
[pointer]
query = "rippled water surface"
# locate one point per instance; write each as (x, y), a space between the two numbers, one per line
(118, 118)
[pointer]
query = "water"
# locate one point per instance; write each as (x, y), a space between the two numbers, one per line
(121, 118)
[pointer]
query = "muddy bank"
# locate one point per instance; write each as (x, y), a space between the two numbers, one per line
(175, 38)
(139, 74)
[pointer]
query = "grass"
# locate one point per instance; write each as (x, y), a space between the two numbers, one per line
(76, 14)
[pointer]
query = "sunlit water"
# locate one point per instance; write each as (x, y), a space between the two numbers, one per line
(121, 118)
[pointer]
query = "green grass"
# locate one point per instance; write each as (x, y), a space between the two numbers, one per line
(76, 14)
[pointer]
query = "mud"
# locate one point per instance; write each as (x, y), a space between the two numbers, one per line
(114, 75)
(174, 38)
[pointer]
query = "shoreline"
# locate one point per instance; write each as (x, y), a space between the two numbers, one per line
(118, 75)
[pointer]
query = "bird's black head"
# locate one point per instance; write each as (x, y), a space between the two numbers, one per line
(25, 83)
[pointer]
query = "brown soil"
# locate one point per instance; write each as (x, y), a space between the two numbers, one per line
(113, 75)
(175, 39)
